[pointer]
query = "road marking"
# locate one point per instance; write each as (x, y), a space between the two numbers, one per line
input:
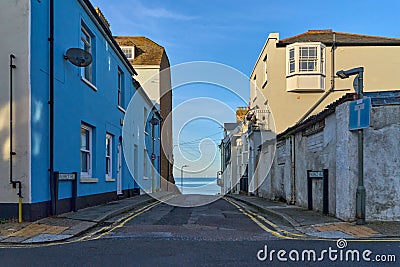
(275, 226)
(125, 220)
(106, 228)
(253, 216)
(87, 237)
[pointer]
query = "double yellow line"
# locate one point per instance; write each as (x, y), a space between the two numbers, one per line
(120, 222)
(265, 224)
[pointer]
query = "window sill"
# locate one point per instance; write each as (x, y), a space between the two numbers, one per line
(145, 178)
(88, 180)
(88, 83)
(305, 73)
(121, 109)
(109, 179)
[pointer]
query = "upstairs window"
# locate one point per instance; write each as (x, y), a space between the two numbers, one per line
(120, 86)
(308, 58)
(291, 60)
(305, 58)
(129, 51)
(87, 44)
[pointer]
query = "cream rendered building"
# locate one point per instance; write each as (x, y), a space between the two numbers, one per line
(294, 73)
(151, 62)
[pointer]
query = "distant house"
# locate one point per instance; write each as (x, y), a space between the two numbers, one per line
(295, 78)
(151, 62)
(294, 73)
(66, 119)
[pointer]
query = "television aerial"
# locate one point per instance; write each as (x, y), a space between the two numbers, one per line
(78, 57)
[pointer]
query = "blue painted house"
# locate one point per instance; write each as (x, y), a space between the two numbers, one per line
(60, 124)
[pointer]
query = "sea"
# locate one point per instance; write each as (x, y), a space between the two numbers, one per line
(198, 185)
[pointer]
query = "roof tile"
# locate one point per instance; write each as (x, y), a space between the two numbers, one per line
(147, 52)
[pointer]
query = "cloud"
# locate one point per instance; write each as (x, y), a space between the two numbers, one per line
(159, 13)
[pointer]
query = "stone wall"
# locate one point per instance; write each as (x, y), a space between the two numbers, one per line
(328, 144)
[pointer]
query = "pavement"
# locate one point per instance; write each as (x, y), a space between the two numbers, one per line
(316, 224)
(71, 224)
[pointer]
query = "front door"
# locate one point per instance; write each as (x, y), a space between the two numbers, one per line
(119, 170)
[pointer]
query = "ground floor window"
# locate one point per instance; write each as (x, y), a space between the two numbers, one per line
(86, 151)
(109, 147)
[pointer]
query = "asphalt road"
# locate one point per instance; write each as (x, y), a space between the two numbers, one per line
(219, 234)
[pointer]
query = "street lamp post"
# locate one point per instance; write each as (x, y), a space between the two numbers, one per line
(153, 122)
(183, 166)
(360, 194)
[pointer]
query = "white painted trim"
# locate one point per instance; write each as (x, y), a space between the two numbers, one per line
(91, 85)
(110, 137)
(90, 168)
(110, 179)
(121, 109)
(88, 180)
(146, 66)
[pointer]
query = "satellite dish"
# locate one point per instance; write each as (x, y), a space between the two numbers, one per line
(78, 57)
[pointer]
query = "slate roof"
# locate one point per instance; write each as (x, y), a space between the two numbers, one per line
(230, 126)
(147, 52)
(327, 37)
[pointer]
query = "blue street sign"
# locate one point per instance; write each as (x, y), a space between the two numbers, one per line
(360, 111)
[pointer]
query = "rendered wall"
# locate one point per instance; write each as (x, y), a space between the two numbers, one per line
(75, 102)
(335, 148)
(15, 31)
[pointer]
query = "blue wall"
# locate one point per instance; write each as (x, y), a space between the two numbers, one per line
(75, 101)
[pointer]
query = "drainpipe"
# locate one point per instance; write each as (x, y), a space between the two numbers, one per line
(51, 110)
(12, 152)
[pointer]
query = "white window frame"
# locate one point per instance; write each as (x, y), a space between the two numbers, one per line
(89, 151)
(87, 45)
(145, 114)
(318, 59)
(145, 171)
(109, 156)
(120, 85)
(132, 51)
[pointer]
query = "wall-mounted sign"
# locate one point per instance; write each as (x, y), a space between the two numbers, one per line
(360, 111)
(66, 176)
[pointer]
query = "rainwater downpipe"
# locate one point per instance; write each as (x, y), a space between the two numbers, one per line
(12, 152)
(51, 110)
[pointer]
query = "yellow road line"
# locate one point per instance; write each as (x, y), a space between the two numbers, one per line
(254, 219)
(274, 225)
(122, 221)
(121, 224)
(109, 226)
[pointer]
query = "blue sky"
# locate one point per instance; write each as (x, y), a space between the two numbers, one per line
(233, 33)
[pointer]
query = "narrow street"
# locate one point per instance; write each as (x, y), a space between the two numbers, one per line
(222, 233)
